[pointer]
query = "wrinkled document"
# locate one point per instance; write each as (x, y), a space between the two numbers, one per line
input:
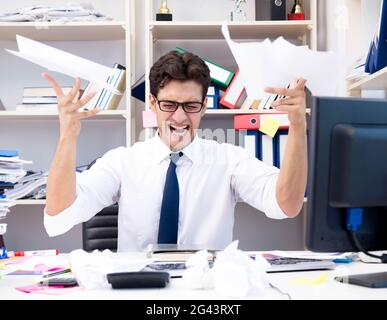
(279, 63)
(60, 61)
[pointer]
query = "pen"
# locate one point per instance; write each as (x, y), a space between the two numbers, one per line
(56, 273)
(53, 252)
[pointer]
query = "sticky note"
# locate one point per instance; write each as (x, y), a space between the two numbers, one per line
(270, 126)
(321, 279)
(149, 119)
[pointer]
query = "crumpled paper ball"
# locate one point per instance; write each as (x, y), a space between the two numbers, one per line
(233, 274)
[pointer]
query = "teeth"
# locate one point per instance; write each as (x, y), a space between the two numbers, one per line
(180, 131)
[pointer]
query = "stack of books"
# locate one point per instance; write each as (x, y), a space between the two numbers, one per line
(40, 99)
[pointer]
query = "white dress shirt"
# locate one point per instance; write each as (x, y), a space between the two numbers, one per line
(212, 178)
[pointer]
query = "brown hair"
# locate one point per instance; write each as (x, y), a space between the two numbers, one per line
(179, 66)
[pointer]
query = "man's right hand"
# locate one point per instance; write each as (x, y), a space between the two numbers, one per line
(68, 108)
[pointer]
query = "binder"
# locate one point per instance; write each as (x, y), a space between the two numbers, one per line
(9, 153)
(234, 93)
(213, 97)
(266, 149)
(280, 141)
(253, 121)
(138, 91)
(251, 142)
(220, 75)
(377, 54)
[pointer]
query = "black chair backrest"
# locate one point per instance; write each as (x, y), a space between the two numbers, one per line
(101, 231)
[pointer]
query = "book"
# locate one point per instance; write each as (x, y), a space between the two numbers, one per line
(235, 93)
(43, 91)
(39, 100)
(36, 107)
(105, 99)
(219, 74)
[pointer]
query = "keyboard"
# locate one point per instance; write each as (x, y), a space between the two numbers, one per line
(284, 264)
(277, 264)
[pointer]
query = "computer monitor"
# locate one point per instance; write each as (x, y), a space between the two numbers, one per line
(347, 169)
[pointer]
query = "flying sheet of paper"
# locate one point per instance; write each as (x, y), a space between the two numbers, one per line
(63, 62)
(279, 63)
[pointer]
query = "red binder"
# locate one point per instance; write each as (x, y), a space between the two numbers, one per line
(253, 121)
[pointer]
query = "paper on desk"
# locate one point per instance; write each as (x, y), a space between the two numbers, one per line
(310, 255)
(60, 61)
(276, 64)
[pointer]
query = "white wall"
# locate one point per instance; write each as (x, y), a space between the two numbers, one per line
(26, 231)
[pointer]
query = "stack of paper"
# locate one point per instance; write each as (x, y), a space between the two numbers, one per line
(31, 186)
(62, 13)
(11, 171)
(276, 64)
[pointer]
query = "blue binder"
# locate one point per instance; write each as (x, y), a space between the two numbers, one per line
(251, 142)
(377, 54)
(280, 140)
(213, 97)
(266, 151)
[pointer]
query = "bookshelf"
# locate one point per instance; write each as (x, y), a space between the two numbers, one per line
(376, 81)
(15, 126)
(363, 18)
(163, 30)
(205, 38)
(37, 115)
(71, 31)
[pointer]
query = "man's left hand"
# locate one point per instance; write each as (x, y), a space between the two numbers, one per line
(294, 102)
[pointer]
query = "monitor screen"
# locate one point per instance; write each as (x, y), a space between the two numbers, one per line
(347, 169)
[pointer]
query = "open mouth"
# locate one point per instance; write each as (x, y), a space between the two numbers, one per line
(178, 130)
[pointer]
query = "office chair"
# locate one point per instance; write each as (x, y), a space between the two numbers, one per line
(101, 231)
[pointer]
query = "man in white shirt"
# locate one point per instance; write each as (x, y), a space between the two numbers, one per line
(175, 187)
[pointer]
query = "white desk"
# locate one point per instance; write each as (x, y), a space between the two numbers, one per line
(287, 282)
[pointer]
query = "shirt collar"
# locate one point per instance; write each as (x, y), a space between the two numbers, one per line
(161, 151)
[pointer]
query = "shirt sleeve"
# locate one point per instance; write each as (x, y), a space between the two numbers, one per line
(254, 182)
(96, 189)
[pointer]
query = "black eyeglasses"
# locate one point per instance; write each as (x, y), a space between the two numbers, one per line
(171, 106)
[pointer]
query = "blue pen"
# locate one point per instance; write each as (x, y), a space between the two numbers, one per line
(343, 260)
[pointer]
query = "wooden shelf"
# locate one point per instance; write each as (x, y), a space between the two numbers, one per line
(226, 112)
(30, 202)
(376, 81)
(39, 115)
(40, 31)
(238, 30)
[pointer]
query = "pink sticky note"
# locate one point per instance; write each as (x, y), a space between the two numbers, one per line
(43, 268)
(35, 287)
(149, 119)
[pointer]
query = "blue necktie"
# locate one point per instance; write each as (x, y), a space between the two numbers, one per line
(169, 215)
